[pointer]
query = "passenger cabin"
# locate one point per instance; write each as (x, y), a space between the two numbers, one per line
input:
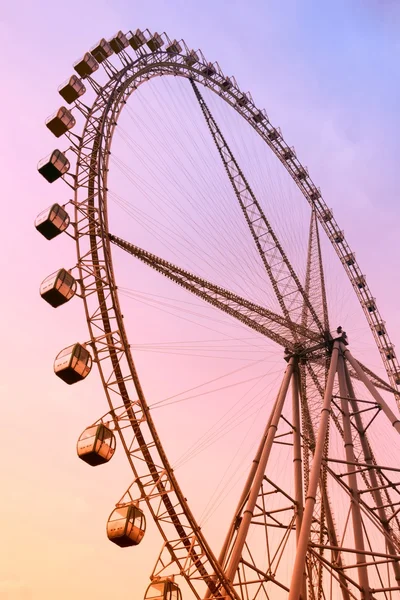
(163, 589)
(370, 305)
(101, 51)
(360, 282)
(73, 364)
(54, 166)
(288, 153)
(86, 65)
(137, 39)
(258, 116)
(126, 526)
(60, 122)
(58, 288)
(242, 100)
(315, 194)
(191, 58)
(380, 329)
(52, 221)
(96, 445)
(327, 215)
(301, 173)
(273, 135)
(72, 89)
(350, 259)
(390, 353)
(208, 70)
(119, 42)
(155, 43)
(338, 237)
(226, 84)
(174, 48)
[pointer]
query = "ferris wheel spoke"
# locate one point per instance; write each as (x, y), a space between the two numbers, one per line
(287, 287)
(266, 322)
(314, 286)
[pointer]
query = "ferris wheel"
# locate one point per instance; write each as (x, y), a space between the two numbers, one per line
(329, 528)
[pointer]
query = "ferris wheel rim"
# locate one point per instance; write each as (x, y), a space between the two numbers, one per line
(307, 188)
(104, 229)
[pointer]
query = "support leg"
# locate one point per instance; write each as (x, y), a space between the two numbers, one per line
(371, 388)
(376, 493)
(297, 465)
(301, 552)
(334, 542)
(246, 491)
(259, 475)
(352, 479)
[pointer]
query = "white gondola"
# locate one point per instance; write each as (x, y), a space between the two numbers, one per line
(258, 116)
(58, 288)
(126, 526)
(73, 364)
(370, 305)
(155, 42)
(288, 153)
(60, 122)
(301, 172)
(242, 100)
(338, 237)
(327, 215)
(360, 282)
(72, 89)
(350, 259)
(163, 589)
(86, 65)
(209, 70)
(54, 166)
(380, 328)
(273, 135)
(96, 445)
(390, 353)
(315, 194)
(226, 84)
(101, 51)
(118, 42)
(191, 58)
(174, 48)
(52, 221)
(137, 39)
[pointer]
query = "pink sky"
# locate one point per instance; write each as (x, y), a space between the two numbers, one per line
(329, 78)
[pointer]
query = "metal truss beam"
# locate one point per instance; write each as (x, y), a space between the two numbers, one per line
(314, 285)
(287, 287)
(266, 322)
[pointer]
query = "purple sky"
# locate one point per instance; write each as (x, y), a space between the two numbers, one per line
(328, 75)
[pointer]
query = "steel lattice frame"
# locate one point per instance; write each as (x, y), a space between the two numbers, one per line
(302, 329)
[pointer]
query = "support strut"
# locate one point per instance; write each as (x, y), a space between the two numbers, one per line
(259, 475)
(352, 479)
(371, 388)
(302, 545)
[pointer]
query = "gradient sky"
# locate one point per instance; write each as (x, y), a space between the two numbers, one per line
(328, 74)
